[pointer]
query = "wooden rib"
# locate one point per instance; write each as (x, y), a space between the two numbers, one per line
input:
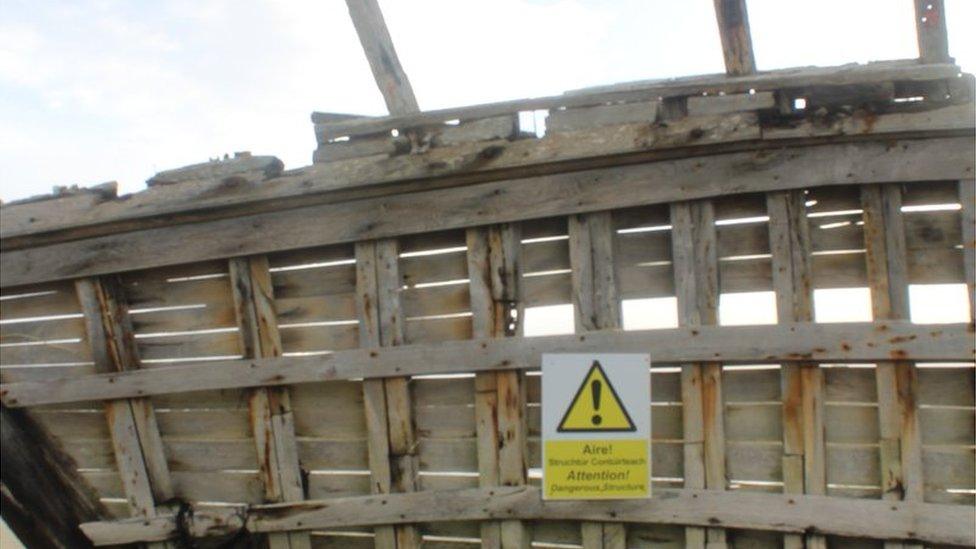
(897, 382)
(389, 419)
(850, 517)
(44, 497)
(136, 442)
(967, 190)
(930, 26)
(802, 384)
(272, 421)
(695, 265)
(495, 274)
(801, 342)
(596, 305)
(498, 202)
(733, 27)
(378, 46)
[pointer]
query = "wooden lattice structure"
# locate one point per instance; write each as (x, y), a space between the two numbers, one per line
(334, 356)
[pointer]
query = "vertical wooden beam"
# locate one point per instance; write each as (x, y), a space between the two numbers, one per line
(930, 26)
(389, 418)
(495, 274)
(897, 382)
(138, 447)
(375, 39)
(695, 264)
(42, 496)
(733, 28)
(596, 305)
(804, 450)
(967, 190)
(272, 421)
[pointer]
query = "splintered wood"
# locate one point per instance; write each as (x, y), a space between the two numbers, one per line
(347, 355)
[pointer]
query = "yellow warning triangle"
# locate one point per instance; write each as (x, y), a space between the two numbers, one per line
(596, 406)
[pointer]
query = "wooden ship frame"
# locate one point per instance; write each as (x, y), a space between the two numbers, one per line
(333, 356)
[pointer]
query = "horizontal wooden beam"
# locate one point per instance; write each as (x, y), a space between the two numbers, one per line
(793, 167)
(803, 342)
(887, 71)
(861, 518)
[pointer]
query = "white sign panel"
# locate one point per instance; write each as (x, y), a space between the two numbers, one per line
(596, 426)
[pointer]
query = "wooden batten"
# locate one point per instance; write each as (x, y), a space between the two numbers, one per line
(378, 46)
(389, 417)
(930, 25)
(596, 305)
(137, 444)
(802, 385)
(495, 282)
(271, 419)
(695, 265)
(733, 27)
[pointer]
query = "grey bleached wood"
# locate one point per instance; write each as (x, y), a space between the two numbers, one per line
(933, 523)
(456, 165)
(495, 279)
(885, 71)
(575, 119)
(802, 385)
(897, 381)
(733, 27)
(930, 26)
(389, 417)
(596, 305)
(787, 342)
(271, 418)
(695, 267)
(967, 198)
(242, 164)
(590, 190)
(135, 435)
(704, 105)
(378, 46)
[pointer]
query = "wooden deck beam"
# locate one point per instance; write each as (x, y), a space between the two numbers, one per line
(378, 46)
(733, 26)
(790, 513)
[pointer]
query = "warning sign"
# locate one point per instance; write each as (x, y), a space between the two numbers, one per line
(591, 411)
(596, 420)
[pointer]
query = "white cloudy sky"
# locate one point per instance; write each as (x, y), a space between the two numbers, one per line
(99, 90)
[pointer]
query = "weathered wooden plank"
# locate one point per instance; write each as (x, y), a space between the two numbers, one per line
(695, 267)
(601, 115)
(967, 198)
(804, 461)
(139, 453)
(382, 57)
(271, 417)
(389, 419)
(596, 305)
(494, 267)
(787, 342)
(704, 105)
(636, 91)
(862, 122)
(933, 523)
(930, 25)
(589, 190)
(900, 444)
(733, 27)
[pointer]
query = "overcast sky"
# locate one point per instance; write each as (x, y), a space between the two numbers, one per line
(100, 90)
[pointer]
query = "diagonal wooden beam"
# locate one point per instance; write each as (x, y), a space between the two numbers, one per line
(43, 498)
(733, 28)
(378, 46)
(930, 26)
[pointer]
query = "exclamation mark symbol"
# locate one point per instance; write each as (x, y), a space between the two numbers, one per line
(595, 391)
